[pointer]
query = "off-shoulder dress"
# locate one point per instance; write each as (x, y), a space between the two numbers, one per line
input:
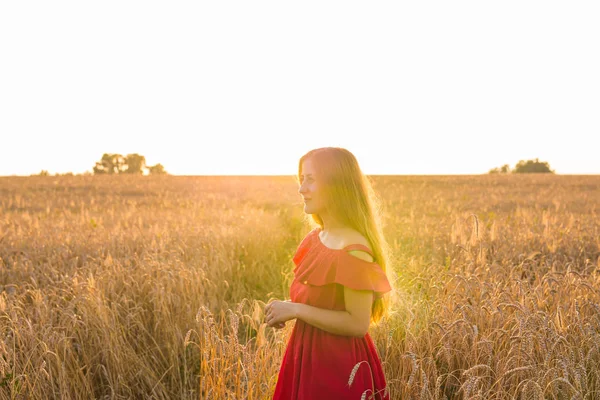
(317, 364)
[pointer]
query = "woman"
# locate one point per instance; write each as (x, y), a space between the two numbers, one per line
(338, 286)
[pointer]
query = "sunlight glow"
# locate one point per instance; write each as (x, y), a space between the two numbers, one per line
(248, 87)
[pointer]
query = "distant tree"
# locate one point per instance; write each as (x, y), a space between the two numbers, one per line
(532, 166)
(110, 164)
(522, 166)
(136, 164)
(505, 169)
(44, 173)
(157, 169)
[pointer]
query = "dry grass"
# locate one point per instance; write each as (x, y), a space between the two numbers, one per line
(153, 287)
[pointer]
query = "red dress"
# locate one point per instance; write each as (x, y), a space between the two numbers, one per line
(317, 364)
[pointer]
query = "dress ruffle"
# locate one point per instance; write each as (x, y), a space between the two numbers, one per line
(324, 266)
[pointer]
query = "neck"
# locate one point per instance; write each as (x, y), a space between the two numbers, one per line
(330, 224)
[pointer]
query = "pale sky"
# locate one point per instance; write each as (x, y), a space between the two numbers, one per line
(247, 87)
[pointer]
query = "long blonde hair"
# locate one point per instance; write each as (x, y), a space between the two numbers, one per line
(351, 200)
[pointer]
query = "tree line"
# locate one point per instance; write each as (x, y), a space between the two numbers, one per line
(112, 164)
(529, 166)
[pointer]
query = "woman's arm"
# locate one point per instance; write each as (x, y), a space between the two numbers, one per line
(352, 322)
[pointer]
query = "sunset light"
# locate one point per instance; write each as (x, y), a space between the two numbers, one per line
(213, 88)
(299, 200)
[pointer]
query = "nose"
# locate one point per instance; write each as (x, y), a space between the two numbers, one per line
(302, 189)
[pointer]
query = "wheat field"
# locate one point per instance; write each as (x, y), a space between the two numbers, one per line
(120, 287)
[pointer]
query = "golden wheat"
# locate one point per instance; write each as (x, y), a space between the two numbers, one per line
(154, 287)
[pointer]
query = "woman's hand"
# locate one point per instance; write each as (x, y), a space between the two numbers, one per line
(278, 312)
(280, 325)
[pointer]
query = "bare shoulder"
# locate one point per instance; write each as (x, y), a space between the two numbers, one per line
(354, 237)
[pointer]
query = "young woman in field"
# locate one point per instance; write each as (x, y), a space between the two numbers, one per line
(338, 286)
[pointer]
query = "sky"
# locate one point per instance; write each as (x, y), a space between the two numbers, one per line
(248, 87)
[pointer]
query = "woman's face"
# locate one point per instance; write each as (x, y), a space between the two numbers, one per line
(309, 189)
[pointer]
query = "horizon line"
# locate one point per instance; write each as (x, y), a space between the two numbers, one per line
(67, 174)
